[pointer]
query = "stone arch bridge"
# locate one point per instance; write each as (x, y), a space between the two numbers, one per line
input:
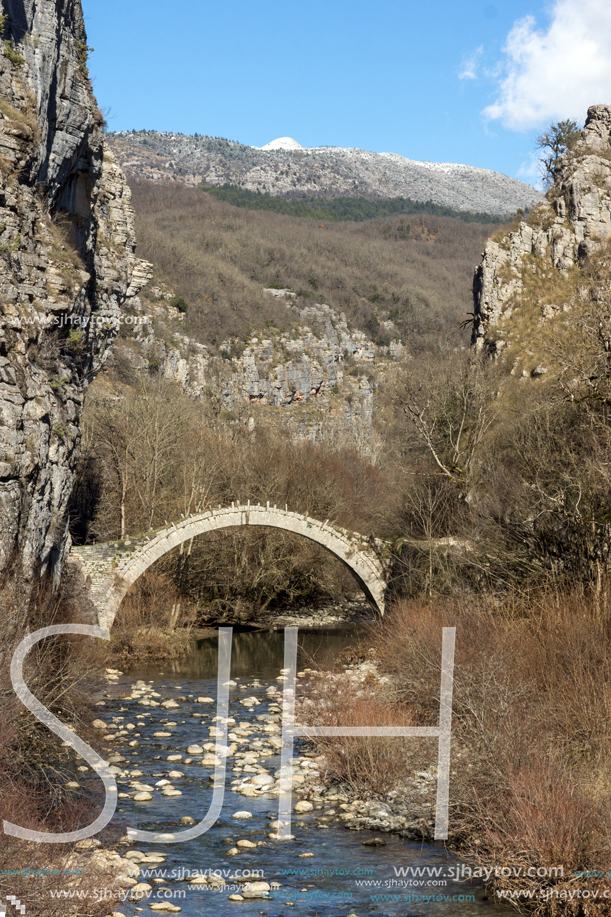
(112, 568)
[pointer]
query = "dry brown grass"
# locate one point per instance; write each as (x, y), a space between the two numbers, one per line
(531, 739)
(365, 765)
(62, 672)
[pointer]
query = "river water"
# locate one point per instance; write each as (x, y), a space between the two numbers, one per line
(343, 877)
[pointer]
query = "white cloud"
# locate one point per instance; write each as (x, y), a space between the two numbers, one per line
(468, 70)
(559, 72)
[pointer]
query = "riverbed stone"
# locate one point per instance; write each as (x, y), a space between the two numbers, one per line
(142, 797)
(262, 780)
(140, 890)
(303, 806)
(256, 890)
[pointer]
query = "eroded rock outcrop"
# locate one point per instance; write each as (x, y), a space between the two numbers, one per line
(556, 237)
(67, 266)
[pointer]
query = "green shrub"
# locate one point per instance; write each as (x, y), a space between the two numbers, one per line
(13, 56)
(179, 303)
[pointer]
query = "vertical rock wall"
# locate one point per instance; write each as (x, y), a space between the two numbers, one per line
(560, 233)
(67, 262)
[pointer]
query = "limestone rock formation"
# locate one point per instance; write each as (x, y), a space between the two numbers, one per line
(67, 267)
(319, 373)
(557, 236)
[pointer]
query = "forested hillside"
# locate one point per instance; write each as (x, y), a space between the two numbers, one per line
(412, 270)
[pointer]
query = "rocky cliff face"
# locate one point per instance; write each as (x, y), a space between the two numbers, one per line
(67, 266)
(530, 275)
(316, 376)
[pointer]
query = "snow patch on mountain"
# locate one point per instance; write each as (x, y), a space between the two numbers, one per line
(282, 143)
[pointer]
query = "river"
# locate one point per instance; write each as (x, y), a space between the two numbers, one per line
(340, 876)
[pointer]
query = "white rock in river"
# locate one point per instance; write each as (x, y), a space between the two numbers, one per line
(242, 814)
(246, 790)
(140, 890)
(195, 750)
(142, 797)
(303, 806)
(262, 780)
(256, 890)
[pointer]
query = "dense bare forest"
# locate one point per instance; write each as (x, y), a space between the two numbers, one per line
(414, 270)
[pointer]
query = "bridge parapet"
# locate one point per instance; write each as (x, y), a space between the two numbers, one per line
(112, 568)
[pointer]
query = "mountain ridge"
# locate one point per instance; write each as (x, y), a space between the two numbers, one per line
(316, 171)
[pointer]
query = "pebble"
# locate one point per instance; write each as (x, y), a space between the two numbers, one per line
(245, 843)
(235, 898)
(187, 820)
(256, 890)
(140, 889)
(303, 806)
(142, 797)
(242, 814)
(263, 780)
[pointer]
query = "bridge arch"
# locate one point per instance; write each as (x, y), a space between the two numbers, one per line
(113, 568)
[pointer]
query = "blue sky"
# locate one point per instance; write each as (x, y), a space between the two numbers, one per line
(470, 82)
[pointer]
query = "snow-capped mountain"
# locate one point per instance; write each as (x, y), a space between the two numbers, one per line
(284, 168)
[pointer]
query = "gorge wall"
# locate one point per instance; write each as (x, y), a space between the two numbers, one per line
(67, 267)
(532, 275)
